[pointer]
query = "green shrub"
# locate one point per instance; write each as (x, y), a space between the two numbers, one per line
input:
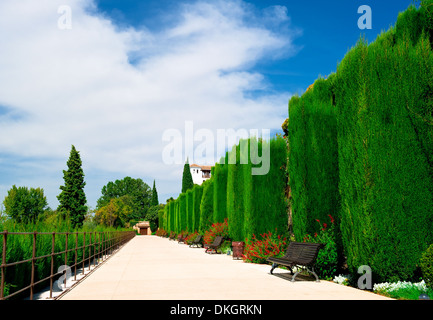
(327, 258)
(427, 266)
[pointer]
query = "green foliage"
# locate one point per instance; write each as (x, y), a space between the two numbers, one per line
(327, 258)
(153, 215)
(25, 205)
(72, 198)
(385, 140)
(182, 213)
(264, 197)
(154, 201)
(187, 182)
(189, 209)
(220, 191)
(139, 193)
(197, 197)
(116, 213)
(235, 192)
(313, 160)
(206, 206)
(426, 265)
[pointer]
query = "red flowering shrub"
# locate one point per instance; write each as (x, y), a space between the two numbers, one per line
(259, 250)
(161, 233)
(216, 229)
(190, 237)
(327, 259)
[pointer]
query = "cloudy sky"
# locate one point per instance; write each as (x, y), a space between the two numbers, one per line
(112, 76)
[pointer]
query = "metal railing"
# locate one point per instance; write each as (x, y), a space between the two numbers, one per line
(95, 246)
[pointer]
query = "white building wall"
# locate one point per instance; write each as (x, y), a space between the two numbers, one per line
(196, 175)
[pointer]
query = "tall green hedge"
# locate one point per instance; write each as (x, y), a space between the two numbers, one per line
(197, 197)
(182, 214)
(381, 100)
(385, 103)
(265, 200)
(313, 160)
(235, 192)
(189, 210)
(206, 206)
(220, 190)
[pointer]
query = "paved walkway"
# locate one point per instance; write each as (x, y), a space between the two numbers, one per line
(150, 267)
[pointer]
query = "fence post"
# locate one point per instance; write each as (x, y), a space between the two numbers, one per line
(33, 265)
(84, 249)
(3, 269)
(76, 254)
(90, 249)
(52, 263)
(66, 256)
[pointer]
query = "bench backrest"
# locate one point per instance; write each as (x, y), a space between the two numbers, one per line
(217, 241)
(198, 238)
(303, 253)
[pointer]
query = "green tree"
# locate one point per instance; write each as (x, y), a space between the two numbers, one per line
(116, 213)
(139, 192)
(187, 182)
(24, 204)
(72, 198)
(155, 200)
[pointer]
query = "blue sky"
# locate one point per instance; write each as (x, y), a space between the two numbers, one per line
(328, 29)
(127, 71)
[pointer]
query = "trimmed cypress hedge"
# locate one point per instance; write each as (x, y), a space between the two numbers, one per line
(264, 197)
(235, 198)
(381, 100)
(206, 206)
(197, 197)
(385, 102)
(220, 190)
(313, 159)
(189, 210)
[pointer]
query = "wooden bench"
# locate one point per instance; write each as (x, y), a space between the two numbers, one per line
(215, 245)
(298, 254)
(172, 236)
(196, 242)
(181, 238)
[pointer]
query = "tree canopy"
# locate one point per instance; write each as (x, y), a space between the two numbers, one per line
(25, 205)
(138, 192)
(187, 182)
(72, 198)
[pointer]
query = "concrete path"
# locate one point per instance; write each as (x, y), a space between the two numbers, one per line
(154, 268)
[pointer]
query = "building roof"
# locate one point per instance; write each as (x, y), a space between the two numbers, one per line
(203, 168)
(143, 224)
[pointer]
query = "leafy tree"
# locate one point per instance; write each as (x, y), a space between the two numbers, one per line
(155, 200)
(24, 204)
(116, 213)
(140, 195)
(72, 197)
(153, 216)
(187, 182)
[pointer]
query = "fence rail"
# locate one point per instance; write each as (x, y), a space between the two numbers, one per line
(99, 245)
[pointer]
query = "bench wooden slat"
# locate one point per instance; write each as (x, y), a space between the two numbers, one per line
(298, 254)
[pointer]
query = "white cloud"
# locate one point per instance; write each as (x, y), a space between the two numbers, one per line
(77, 86)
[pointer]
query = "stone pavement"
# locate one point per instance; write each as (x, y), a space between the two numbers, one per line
(155, 268)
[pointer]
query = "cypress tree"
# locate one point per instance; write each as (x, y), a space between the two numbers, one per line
(155, 200)
(187, 182)
(72, 198)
